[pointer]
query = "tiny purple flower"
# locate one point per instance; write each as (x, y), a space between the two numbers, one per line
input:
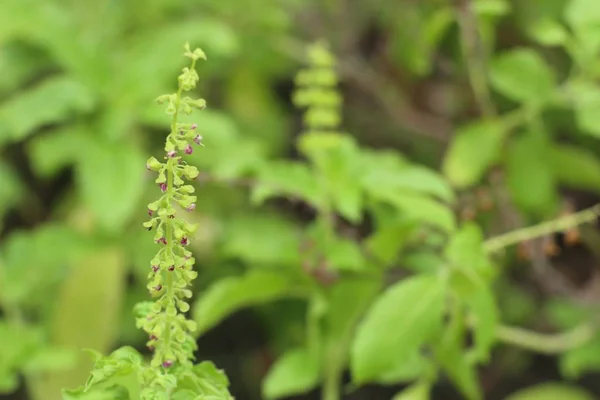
(158, 288)
(155, 268)
(167, 363)
(172, 268)
(188, 149)
(153, 337)
(184, 241)
(194, 126)
(198, 139)
(171, 153)
(163, 187)
(150, 212)
(191, 207)
(162, 240)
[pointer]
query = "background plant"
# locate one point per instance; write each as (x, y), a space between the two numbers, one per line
(499, 96)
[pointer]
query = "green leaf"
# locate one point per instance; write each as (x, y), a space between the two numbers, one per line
(465, 252)
(87, 314)
(294, 373)
(203, 382)
(111, 179)
(551, 391)
(338, 170)
(55, 150)
(475, 148)
(276, 232)
(31, 275)
(530, 181)
(491, 7)
(576, 362)
(12, 189)
(587, 101)
(584, 18)
(417, 207)
(402, 319)
(522, 75)
(471, 280)
(51, 358)
(345, 255)
(412, 178)
(416, 34)
(574, 167)
(54, 100)
(450, 354)
(386, 242)
(285, 178)
(19, 63)
(123, 361)
(417, 391)
(415, 366)
(230, 294)
(114, 392)
(549, 32)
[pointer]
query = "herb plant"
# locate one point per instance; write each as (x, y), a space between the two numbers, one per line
(171, 373)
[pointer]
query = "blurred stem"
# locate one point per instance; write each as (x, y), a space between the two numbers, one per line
(546, 343)
(474, 57)
(557, 225)
(331, 384)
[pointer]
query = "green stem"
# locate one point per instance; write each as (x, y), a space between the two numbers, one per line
(557, 225)
(331, 384)
(474, 57)
(546, 343)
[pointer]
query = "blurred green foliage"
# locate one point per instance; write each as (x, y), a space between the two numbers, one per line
(356, 247)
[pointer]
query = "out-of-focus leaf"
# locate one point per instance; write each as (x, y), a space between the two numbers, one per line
(19, 63)
(287, 178)
(471, 281)
(574, 167)
(475, 148)
(19, 344)
(11, 189)
(55, 150)
(86, 315)
(295, 372)
(401, 320)
(551, 391)
(491, 7)
(450, 354)
(28, 272)
(418, 207)
(530, 180)
(111, 179)
(548, 32)
(417, 391)
(522, 75)
(586, 103)
(231, 294)
(277, 243)
(416, 34)
(205, 381)
(584, 18)
(578, 361)
(114, 392)
(54, 100)
(413, 178)
(337, 170)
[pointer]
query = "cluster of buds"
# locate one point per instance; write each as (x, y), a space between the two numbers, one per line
(171, 270)
(316, 91)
